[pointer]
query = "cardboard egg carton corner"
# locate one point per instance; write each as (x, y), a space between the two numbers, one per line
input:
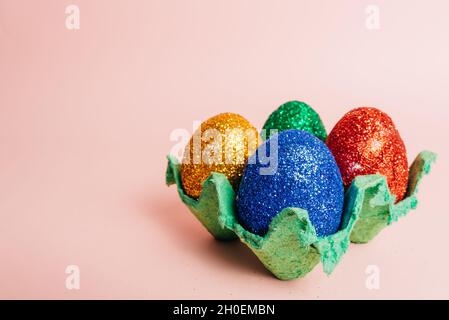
(291, 248)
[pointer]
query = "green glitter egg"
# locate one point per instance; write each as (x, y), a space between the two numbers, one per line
(295, 115)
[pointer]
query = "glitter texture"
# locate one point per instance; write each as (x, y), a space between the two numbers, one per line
(365, 141)
(296, 115)
(307, 177)
(235, 134)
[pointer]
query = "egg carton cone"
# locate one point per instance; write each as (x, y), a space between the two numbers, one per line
(291, 248)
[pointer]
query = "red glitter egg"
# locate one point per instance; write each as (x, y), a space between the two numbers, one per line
(366, 141)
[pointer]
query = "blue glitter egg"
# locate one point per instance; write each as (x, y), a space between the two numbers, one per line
(291, 169)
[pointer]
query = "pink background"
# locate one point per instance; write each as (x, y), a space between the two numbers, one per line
(85, 118)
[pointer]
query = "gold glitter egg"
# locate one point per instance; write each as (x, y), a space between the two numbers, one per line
(221, 144)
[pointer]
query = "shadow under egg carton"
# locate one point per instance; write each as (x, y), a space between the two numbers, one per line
(291, 248)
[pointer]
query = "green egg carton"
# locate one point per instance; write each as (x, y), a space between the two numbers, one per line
(291, 248)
